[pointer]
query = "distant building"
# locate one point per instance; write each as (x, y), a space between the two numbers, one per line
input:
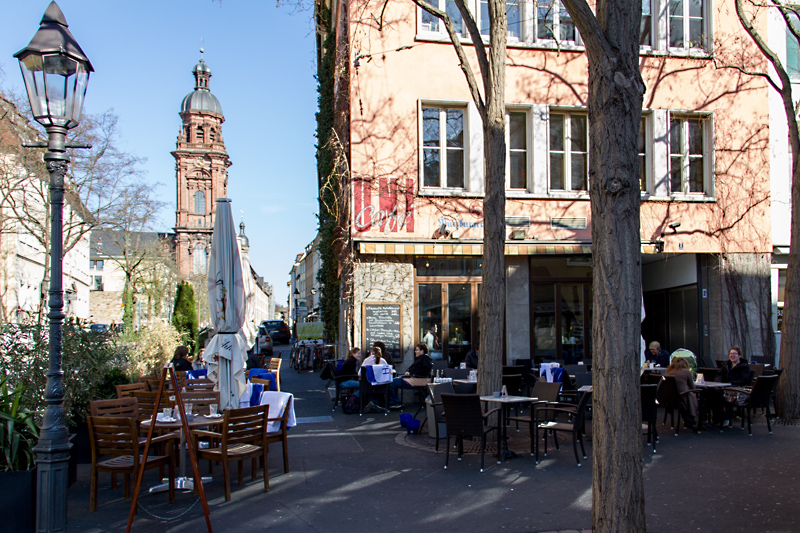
(23, 257)
(201, 171)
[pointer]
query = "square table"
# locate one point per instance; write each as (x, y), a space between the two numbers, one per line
(503, 452)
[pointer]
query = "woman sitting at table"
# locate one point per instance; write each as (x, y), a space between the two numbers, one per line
(180, 361)
(736, 370)
(375, 357)
(679, 368)
(350, 368)
(384, 352)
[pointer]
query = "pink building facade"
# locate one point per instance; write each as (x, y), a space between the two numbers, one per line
(416, 181)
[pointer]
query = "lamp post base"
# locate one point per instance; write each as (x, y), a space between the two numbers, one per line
(52, 475)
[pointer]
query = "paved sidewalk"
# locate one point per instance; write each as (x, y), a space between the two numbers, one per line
(358, 474)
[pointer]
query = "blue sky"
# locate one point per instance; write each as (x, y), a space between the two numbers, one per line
(262, 61)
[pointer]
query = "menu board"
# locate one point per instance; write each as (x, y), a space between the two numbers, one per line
(382, 322)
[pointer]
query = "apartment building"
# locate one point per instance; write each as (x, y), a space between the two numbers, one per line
(413, 138)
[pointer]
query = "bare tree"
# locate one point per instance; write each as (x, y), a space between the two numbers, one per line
(489, 98)
(748, 11)
(616, 89)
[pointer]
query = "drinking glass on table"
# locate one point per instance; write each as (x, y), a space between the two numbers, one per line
(168, 412)
(187, 408)
(213, 409)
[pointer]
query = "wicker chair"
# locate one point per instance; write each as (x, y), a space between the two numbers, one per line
(650, 413)
(464, 418)
(574, 425)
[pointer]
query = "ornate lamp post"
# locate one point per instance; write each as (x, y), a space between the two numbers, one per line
(56, 72)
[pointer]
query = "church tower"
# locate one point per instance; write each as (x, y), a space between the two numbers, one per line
(201, 171)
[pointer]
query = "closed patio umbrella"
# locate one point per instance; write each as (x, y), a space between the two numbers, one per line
(226, 352)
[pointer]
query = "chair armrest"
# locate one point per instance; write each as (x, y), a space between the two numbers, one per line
(567, 411)
(345, 377)
(746, 390)
(166, 437)
(205, 433)
(490, 412)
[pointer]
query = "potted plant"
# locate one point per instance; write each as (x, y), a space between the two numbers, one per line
(18, 436)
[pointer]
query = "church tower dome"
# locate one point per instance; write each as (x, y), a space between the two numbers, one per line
(201, 171)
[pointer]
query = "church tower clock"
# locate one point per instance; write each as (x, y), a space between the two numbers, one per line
(201, 171)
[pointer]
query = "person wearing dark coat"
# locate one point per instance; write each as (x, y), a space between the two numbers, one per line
(471, 359)
(420, 368)
(655, 354)
(179, 360)
(735, 371)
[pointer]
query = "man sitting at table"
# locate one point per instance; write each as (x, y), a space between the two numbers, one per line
(471, 359)
(420, 368)
(657, 355)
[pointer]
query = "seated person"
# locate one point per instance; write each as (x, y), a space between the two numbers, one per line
(685, 382)
(655, 354)
(471, 359)
(384, 352)
(180, 361)
(350, 368)
(736, 370)
(375, 357)
(420, 368)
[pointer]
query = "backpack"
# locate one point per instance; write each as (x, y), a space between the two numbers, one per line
(352, 405)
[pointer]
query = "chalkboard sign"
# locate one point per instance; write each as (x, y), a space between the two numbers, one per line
(382, 322)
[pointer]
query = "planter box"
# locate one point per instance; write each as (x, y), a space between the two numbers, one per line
(18, 503)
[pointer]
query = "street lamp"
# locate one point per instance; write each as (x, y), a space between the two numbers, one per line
(56, 72)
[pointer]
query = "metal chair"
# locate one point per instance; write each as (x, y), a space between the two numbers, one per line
(545, 394)
(434, 401)
(574, 426)
(747, 401)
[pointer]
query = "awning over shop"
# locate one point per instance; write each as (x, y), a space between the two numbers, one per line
(384, 248)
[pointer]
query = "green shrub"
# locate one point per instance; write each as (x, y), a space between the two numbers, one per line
(18, 431)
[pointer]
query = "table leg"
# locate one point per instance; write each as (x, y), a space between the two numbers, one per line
(181, 482)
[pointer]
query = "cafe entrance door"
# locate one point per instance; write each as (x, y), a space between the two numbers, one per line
(447, 306)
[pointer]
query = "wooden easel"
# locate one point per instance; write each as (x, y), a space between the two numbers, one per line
(198, 479)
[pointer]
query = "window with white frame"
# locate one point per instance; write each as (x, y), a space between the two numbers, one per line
(687, 158)
(646, 24)
(443, 159)
(553, 22)
(569, 151)
(98, 283)
(432, 24)
(517, 143)
(514, 10)
(793, 47)
(687, 23)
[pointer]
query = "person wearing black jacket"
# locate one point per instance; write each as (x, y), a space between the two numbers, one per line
(420, 368)
(735, 371)
(179, 360)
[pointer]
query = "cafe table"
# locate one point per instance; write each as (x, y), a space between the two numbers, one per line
(503, 452)
(419, 385)
(711, 385)
(182, 482)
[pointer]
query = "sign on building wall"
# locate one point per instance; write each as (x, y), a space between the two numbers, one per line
(383, 322)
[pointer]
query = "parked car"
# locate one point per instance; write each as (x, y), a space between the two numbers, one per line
(263, 341)
(99, 328)
(278, 330)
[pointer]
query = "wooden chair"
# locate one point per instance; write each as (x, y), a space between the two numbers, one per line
(265, 382)
(128, 407)
(464, 418)
(199, 384)
(201, 400)
(275, 366)
(573, 426)
(243, 435)
(280, 404)
(119, 438)
(126, 391)
(147, 403)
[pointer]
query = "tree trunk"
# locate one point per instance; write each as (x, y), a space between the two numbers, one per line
(787, 402)
(615, 107)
